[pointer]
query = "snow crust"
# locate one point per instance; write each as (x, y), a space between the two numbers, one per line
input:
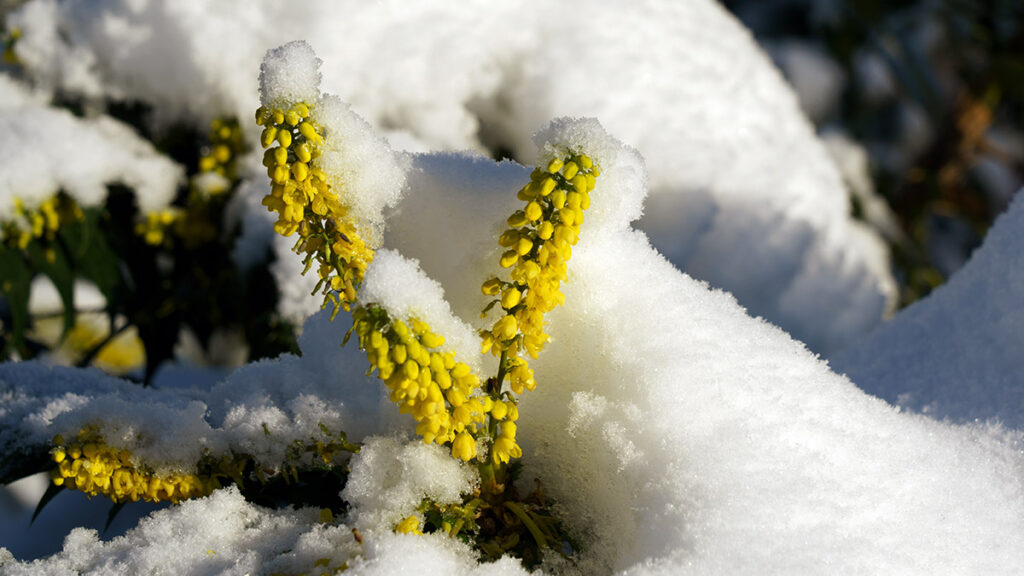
(957, 353)
(742, 193)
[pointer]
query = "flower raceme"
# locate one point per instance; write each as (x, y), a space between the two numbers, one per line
(306, 203)
(538, 246)
(39, 223)
(89, 465)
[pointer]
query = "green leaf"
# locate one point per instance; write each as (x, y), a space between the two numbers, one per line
(15, 285)
(51, 491)
(91, 255)
(52, 262)
(114, 511)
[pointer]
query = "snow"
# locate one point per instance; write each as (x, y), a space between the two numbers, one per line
(957, 353)
(742, 193)
(670, 428)
(46, 150)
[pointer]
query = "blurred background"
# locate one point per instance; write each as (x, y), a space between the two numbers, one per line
(926, 98)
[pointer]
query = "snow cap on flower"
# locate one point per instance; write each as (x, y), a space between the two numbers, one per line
(290, 73)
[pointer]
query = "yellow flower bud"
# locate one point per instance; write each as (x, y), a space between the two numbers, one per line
(491, 287)
(510, 297)
(555, 165)
(509, 258)
(464, 447)
(534, 211)
(268, 136)
(284, 137)
(570, 170)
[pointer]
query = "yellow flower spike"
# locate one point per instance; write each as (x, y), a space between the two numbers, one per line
(464, 447)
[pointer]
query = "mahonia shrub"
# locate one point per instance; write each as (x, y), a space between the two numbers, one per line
(332, 186)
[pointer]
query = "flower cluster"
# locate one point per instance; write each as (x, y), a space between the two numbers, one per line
(439, 392)
(226, 143)
(89, 465)
(154, 227)
(39, 223)
(538, 245)
(305, 203)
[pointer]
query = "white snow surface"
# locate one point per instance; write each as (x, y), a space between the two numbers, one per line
(742, 193)
(957, 354)
(46, 150)
(674, 432)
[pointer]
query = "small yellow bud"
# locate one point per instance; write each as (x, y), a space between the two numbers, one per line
(291, 117)
(517, 219)
(510, 297)
(268, 136)
(555, 165)
(278, 117)
(284, 137)
(547, 186)
(524, 246)
(508, 238)
(506, 328)
(570, 170)
(585, 162)
(534, 211)
(431, 340)
(307, 131)
(280, 155)
(261, 115)
(464, 447)
(499, 410)
(303, 153)
(300, 170)
(545, 230)
(509, 258)
(491, 287)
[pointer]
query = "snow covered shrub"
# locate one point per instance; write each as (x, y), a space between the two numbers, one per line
(651, 425)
